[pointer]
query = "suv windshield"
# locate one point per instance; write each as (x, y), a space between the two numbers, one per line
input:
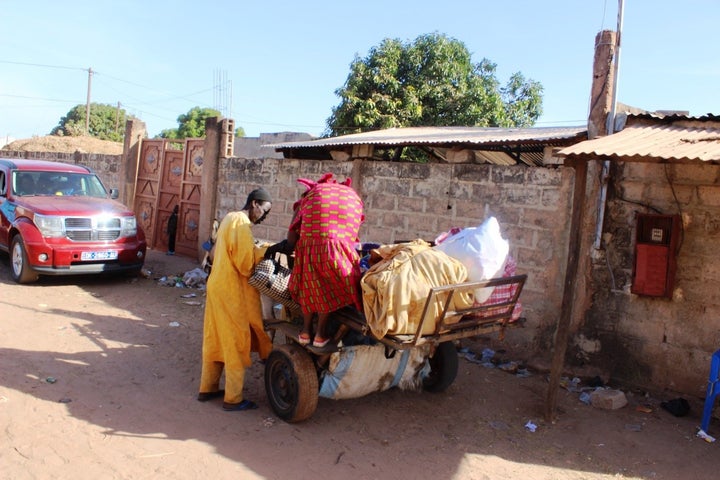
(55, 183)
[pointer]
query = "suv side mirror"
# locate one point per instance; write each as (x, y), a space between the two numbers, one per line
(114, 193)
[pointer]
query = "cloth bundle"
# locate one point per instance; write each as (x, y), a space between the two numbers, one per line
(358, 370)
(396, 288)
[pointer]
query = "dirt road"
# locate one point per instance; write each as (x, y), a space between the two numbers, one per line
(99, 376)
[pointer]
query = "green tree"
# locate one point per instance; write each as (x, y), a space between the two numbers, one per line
(107, 122)
(191, 124)
(431, 81)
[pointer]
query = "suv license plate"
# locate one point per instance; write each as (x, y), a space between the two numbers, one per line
(108, 255)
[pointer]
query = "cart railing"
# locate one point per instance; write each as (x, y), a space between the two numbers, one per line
(474, 320)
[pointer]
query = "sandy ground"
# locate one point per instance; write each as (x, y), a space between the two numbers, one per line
(99, 380)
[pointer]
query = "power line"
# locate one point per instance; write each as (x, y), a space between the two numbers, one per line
(43, 65)
(8, 95)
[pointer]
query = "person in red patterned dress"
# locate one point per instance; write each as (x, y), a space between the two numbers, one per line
(326, 272)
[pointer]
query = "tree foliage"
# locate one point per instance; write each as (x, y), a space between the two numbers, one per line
(107, 122)
(431, 81)
(191, 124)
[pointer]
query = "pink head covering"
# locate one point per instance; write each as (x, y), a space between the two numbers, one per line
(326, 178)
(310, 184)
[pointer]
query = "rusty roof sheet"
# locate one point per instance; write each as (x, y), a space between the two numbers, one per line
(444, 136)
(648, 138)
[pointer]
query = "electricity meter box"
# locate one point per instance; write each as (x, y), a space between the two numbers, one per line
(656, 243)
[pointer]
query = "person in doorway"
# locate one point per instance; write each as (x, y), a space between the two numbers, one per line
(326, 271)
(233, 326)
(172, 230)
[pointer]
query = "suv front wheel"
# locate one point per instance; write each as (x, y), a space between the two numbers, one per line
(19, 268)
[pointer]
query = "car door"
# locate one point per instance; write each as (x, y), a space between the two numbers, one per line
(4, 210)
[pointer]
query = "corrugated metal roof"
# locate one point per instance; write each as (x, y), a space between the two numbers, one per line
(650, 138)
(444, 136)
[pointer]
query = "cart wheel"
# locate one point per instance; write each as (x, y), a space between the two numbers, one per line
(443, 368)
(291, 383)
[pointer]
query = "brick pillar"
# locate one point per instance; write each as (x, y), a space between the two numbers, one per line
(135, 131)
(214, 129)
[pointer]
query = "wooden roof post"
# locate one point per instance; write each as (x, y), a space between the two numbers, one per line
(563, 325)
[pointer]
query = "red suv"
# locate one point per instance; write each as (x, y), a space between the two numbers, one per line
(58, 219)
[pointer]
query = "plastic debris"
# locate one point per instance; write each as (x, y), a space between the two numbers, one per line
(708, 438)
(530, 426)
(189, 295)
(510, 367)
(51, 379)
(633, 427)
(174, 324)
(268, 422)
(570, 385)
(585, 398)
(677, 406)
(195, 277)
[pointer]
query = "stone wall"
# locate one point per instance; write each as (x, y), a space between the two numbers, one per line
(405, 201)
(651, 341)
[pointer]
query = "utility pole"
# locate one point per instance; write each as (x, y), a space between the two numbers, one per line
(87, 105)
(117, 118)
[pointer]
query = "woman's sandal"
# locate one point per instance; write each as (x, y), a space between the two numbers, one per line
(304, 339)
(319, 342)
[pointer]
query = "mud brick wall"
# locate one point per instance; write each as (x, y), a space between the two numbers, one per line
(657, 341)
(406, 201)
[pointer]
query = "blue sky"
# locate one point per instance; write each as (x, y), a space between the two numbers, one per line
(274, 65)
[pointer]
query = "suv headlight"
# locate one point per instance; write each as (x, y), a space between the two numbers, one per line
(129, 226)
(50, 225)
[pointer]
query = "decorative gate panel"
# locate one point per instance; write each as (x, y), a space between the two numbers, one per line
(169, 176)
(189, 221)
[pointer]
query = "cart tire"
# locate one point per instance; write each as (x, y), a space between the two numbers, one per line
(443, 368)
(291, 383)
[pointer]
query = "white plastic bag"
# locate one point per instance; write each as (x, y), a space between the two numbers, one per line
(481, 249)
(194, 277)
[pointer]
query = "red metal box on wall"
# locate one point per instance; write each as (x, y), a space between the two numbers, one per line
(656, 243)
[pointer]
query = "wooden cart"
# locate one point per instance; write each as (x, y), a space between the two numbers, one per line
(293, 372)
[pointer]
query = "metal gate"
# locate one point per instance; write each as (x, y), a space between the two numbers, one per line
(169, 173)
